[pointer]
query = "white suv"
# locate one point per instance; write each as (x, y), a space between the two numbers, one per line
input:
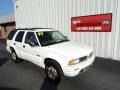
(50, 49)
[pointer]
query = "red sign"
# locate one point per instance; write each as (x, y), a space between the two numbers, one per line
(92, 23)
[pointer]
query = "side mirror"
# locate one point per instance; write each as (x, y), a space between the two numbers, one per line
(66, 37)
(32, 43)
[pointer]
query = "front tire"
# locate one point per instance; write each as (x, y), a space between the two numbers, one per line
(53, 72)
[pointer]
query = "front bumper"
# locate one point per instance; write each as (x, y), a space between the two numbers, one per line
(74, 70)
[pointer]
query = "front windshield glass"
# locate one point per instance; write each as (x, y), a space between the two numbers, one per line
(50, 37)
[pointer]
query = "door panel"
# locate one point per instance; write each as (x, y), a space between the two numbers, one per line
(18, 46)
(31, 53)
(18, 43)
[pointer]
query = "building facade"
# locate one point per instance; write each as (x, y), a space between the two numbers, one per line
(58, 13)
(7, 23)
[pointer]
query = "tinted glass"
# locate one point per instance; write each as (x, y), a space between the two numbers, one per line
(11, 34)
(50, 37)
(30, 37)
(19, 36)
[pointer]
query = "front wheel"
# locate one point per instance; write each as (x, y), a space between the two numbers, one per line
(53, 72)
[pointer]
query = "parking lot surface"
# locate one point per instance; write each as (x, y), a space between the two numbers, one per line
(103, 75)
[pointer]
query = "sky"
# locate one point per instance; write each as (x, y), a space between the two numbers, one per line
(6, 7)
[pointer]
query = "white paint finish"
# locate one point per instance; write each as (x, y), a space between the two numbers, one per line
(57, 14)
(70, 49)
(68, 54)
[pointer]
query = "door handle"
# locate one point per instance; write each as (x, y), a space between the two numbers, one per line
(14, 43)
(38, 55)
(24, 46)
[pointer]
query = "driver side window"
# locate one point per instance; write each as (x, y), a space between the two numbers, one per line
(30, 37)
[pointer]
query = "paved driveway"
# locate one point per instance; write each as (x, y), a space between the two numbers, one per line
(104, 75)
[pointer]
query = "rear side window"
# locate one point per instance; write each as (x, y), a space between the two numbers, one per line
(19, 36)
(11, 34)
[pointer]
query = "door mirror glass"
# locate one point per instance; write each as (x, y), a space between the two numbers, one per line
(66, 37)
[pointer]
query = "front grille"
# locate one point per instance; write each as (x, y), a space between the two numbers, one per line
(83, 58)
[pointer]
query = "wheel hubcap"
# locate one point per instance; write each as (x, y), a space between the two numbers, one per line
(14, 56)
(52, 73)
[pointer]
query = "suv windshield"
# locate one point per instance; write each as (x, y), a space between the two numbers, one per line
(50, 37)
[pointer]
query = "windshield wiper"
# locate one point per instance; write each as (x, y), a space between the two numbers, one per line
(62, 41)
(51, 43)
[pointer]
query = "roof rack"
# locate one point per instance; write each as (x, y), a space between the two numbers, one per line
(31, 28)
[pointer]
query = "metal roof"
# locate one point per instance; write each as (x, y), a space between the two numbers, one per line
(7, 18)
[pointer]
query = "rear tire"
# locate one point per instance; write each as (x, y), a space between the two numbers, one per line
(53, 72)
(14, 57)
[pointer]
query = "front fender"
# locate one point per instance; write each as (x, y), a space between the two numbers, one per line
(62, 60)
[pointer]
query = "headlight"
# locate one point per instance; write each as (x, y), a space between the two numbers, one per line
(73, 62)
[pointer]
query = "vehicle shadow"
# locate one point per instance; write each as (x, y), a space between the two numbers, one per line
(2, 61)
(47, 85)
(8, 88)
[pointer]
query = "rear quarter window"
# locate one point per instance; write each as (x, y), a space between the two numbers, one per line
(11, 35)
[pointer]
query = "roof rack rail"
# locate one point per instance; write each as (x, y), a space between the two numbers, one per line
(31, 28)
(41, 28)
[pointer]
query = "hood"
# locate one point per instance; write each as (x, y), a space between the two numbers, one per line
(70, 49)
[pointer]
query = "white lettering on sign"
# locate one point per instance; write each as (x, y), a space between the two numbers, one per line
(76, 21)
(88, 28)
(97, 28)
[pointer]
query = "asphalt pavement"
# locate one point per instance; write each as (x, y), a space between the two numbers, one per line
(103, 75)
